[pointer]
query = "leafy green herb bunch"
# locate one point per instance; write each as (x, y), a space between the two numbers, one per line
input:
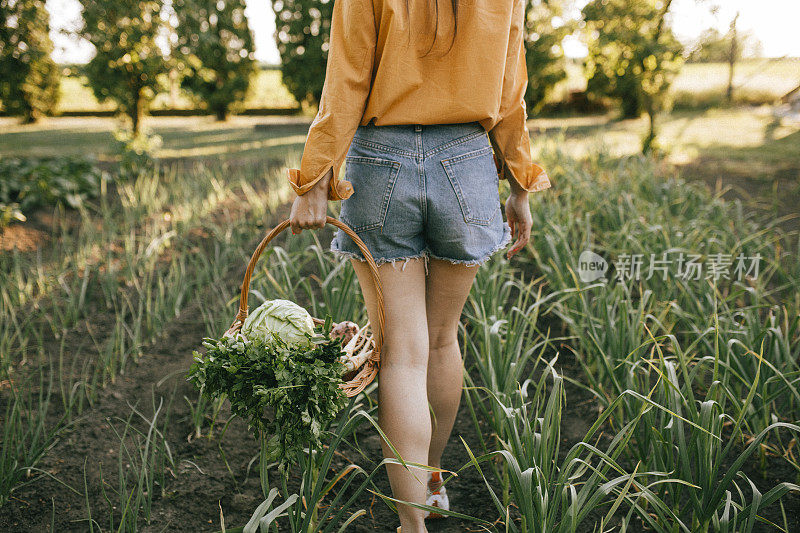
(288, 392)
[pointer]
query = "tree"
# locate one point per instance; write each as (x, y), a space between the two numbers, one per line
(215, 51)
(127, 59)
(30, 78)
(544, 54)
(302, 33)
(730, 48)
(633, 55)
(713, 46)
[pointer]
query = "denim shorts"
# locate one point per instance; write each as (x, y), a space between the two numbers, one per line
(422, 191)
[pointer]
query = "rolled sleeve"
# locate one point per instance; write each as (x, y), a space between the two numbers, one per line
(510, 137)
(348, 77)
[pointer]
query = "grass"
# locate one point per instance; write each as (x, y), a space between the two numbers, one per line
(743, 149)
(744, 153)
(183, 137)
(756, 81)
(745, 138)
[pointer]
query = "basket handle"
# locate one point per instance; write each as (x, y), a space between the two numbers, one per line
(243, 308)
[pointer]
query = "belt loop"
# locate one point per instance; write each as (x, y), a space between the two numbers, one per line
(417, 127)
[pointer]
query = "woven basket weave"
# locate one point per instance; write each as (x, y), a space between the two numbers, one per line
(363, 352)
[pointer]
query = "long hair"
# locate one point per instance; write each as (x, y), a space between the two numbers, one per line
(454, 4)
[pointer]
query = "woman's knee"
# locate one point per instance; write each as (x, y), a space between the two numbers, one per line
(408, 351)
(442, 337)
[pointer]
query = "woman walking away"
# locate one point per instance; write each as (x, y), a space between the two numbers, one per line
(423, 102)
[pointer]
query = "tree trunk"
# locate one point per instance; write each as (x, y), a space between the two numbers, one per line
(137, 111)
(174, 87)
(733, 55)
(662, 18)
(221, 113)
(631, 107)
(649, 141)
(650, 105)
(31, 115)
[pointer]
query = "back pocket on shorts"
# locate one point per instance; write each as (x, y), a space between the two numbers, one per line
(373, 179)
(476, 183)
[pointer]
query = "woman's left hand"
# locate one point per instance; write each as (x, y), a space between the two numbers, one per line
(518, 214)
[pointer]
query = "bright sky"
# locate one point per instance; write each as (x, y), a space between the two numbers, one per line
(774, 22)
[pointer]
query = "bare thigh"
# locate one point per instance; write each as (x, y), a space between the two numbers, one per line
(405, 325)
(447, 289)
(424, 307)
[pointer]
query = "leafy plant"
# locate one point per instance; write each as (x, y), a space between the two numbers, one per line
(288, 392)
(25, 436)
(700, 441)
(9, 212)
(555, 494)
(142, 462)
(284, 318)
(33, 182)
(136, 152)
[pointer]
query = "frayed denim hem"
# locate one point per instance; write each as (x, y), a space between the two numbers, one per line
(427, 255)
(477, 262)
(378, 262)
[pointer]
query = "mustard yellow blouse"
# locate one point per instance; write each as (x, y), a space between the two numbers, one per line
(375, 70)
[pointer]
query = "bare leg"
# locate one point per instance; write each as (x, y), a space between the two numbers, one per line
(448, 286)
(402, 398)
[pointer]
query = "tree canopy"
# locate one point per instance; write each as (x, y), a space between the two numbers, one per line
(30, 78)
(545, 30)
(214, 49)
(302, 33)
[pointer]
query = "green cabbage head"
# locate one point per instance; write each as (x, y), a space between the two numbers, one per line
(283, 317)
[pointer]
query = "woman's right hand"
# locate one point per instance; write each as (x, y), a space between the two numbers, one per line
(310, 210)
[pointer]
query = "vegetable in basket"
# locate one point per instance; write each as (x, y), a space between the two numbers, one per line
(284, 318)
(286, 387)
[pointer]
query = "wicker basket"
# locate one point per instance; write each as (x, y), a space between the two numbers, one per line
(363, 352)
